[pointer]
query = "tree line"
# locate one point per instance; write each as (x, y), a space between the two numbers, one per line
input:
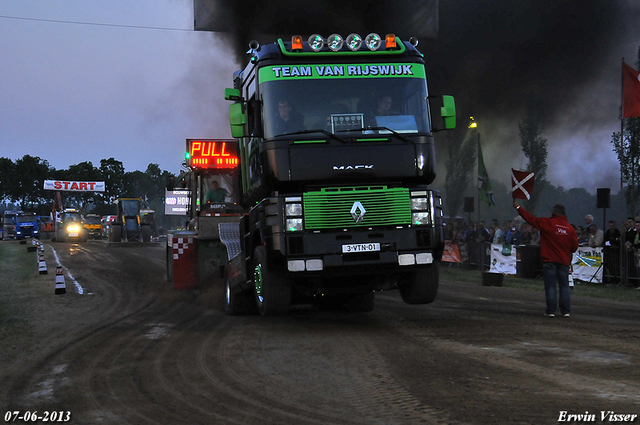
(22, 183)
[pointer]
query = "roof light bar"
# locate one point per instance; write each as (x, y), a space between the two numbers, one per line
(373, 41)
(335, 42)
(296, 42)
(316, 42)
(354, 42)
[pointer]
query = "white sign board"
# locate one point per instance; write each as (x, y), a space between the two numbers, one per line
(176, 202)
(71, 186)
(587, 264)
(503, 259)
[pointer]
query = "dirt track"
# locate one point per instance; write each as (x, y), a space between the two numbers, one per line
(132, 350)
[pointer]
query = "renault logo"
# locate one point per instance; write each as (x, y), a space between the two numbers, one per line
(358, 217)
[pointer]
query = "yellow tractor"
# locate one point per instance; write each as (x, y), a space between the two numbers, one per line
(128, 227)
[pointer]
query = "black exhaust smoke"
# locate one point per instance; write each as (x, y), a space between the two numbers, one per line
(264, 20)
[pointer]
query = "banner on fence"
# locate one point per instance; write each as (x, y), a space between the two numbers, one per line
(587, 264)
(503, 259)
(451, 252)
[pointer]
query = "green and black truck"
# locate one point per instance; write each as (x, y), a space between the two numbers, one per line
(323, 195)
(336, 155)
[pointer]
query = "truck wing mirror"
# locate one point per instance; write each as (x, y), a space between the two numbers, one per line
(232, 94)
(448, 112)
(237, 119)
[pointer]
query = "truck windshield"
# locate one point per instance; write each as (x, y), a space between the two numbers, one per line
(130, 207)
(26, 218)
(71, 216)
(339, 104)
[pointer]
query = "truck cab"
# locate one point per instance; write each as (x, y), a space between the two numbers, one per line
(93, 225)
(337, 157)
(8, 224)
(27, 225)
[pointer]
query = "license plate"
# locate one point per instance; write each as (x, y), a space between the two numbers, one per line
(73, 235)
(360, 247)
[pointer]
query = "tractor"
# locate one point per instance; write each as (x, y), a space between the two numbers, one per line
(127, 227)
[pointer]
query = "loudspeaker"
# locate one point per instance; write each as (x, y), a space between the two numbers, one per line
(468, 204)
(603, 197)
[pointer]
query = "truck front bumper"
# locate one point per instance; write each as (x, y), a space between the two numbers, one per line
(376, 250)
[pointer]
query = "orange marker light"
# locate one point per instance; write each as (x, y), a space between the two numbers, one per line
(390, 41)
(296, 42)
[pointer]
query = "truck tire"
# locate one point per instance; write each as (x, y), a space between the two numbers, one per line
(237, 301)
(421, 286)
(272, 289)
(146, 233)
(115, 233)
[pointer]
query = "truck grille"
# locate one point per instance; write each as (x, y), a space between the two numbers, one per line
(331, 208)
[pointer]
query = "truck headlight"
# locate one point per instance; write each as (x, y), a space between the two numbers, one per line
(421, 207)
(420, 218)
(73, 228)
(420, 204)
(294, 224)
(293, 210)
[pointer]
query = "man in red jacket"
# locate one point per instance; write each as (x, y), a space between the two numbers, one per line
(558, 240)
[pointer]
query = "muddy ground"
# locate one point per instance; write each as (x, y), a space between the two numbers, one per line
(131, 350)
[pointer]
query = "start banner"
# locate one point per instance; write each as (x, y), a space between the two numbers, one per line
(71, 186)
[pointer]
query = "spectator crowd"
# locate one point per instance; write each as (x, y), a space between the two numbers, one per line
(621, 246)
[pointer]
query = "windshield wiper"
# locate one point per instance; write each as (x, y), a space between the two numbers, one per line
(395, 133)
(325, 132)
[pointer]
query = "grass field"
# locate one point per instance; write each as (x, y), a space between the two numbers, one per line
(19, 286)
(596, 290)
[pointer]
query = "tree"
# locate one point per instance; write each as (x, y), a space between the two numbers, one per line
(112, 172)
(7, 177)
(462, 158)
(628, 150)
(28, 186)
(84, 171)
(534, 148)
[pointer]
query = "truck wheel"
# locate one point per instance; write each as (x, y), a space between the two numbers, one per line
(421, 286)
(115, 234)
(146, 233)
(272, 290)
(237, 301)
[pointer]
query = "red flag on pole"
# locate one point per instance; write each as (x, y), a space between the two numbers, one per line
(630, 92)
(521, 184)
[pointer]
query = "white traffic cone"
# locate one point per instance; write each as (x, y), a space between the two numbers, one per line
(61, 287)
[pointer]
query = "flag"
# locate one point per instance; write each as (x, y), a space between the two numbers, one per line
(484, 184)
(521, 184)
(630, 92)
